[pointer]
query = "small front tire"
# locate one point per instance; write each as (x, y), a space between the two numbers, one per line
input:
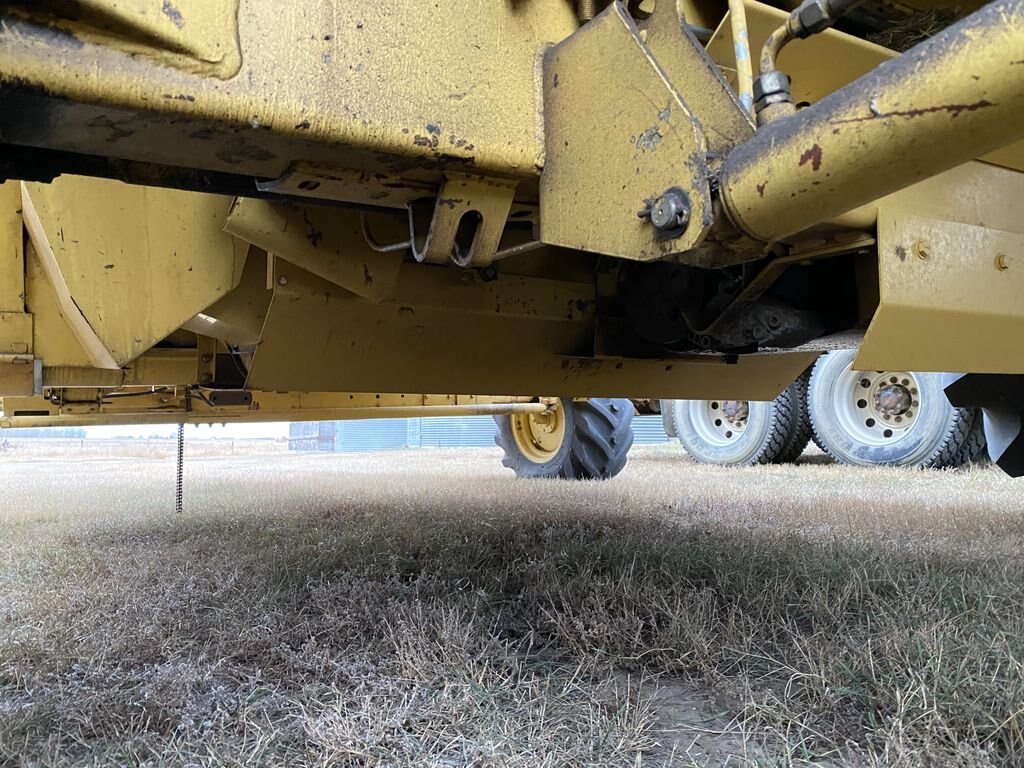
(577, 440)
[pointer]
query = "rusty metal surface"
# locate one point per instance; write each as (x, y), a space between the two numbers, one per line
(616, 133)
(940, 104)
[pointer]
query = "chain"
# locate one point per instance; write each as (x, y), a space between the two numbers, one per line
(181, 468)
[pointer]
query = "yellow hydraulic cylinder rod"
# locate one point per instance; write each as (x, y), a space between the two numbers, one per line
(948, 100)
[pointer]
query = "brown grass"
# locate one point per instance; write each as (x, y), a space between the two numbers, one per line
(424, 608)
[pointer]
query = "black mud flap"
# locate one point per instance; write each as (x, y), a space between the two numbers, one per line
(1001, 398)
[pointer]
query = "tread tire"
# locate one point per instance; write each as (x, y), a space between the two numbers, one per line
(801, 432)
(780, 425)
(599, 434)
(967, 448)
(602, 438)
(952, 441)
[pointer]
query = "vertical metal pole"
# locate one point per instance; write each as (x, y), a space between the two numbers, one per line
(741, 48)
(181, 468)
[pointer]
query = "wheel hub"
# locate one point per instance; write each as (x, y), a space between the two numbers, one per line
(736, 412)
(878, 406)
(539, 436)
(893, 400)
(720, 421)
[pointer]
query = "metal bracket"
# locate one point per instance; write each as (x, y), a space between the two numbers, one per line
(20, 376)
(318, 181)
(467, 220)
(206, 360)
(617, 131)
(230, 397)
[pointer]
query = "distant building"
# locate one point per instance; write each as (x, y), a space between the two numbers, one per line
(433, 432)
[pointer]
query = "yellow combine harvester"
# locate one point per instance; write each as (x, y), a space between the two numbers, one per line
(330, 203)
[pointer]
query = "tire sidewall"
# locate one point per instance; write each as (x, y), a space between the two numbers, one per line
(915, 447)
(744, 451)
(556, 467)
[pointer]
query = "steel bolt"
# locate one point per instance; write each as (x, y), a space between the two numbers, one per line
(669, 213)
(205, 378)
(282, 280)
(922, 249)
(207, 357)
(1001, 263)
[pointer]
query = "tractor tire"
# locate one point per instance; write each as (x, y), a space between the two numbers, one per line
(892, 418)
(594, 440)
(715, 432)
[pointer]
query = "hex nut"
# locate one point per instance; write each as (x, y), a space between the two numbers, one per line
(814, 17)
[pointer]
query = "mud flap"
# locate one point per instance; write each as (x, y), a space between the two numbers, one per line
(1001, 398)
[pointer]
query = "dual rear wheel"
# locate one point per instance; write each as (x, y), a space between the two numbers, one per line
(862, 418)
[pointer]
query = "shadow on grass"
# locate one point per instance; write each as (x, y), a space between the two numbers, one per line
(854, 643)
(861, 626)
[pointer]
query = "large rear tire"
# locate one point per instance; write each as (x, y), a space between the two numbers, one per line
(895, 418)
(579, 440)
(743, 432)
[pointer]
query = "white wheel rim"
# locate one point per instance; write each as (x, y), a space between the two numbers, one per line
(877, 407)
(719, 422)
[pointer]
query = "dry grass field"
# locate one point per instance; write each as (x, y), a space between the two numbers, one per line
(426, 609)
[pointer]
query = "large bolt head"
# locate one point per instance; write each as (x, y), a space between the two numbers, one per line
(814, 17)
(670, 213)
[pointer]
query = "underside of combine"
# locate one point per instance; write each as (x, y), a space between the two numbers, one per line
(329, 203)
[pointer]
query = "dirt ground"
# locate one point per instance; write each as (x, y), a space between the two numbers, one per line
(425, 608)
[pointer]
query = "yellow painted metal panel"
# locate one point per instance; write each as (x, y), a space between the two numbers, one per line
(325, 241)
(54, 341)
(15, 333)
(951, 275)
(513, 335)
(197, 36)
(136, 263)
(12, 255)
(696, 76)
(617, 133)
(17, 376)
(337, 82)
